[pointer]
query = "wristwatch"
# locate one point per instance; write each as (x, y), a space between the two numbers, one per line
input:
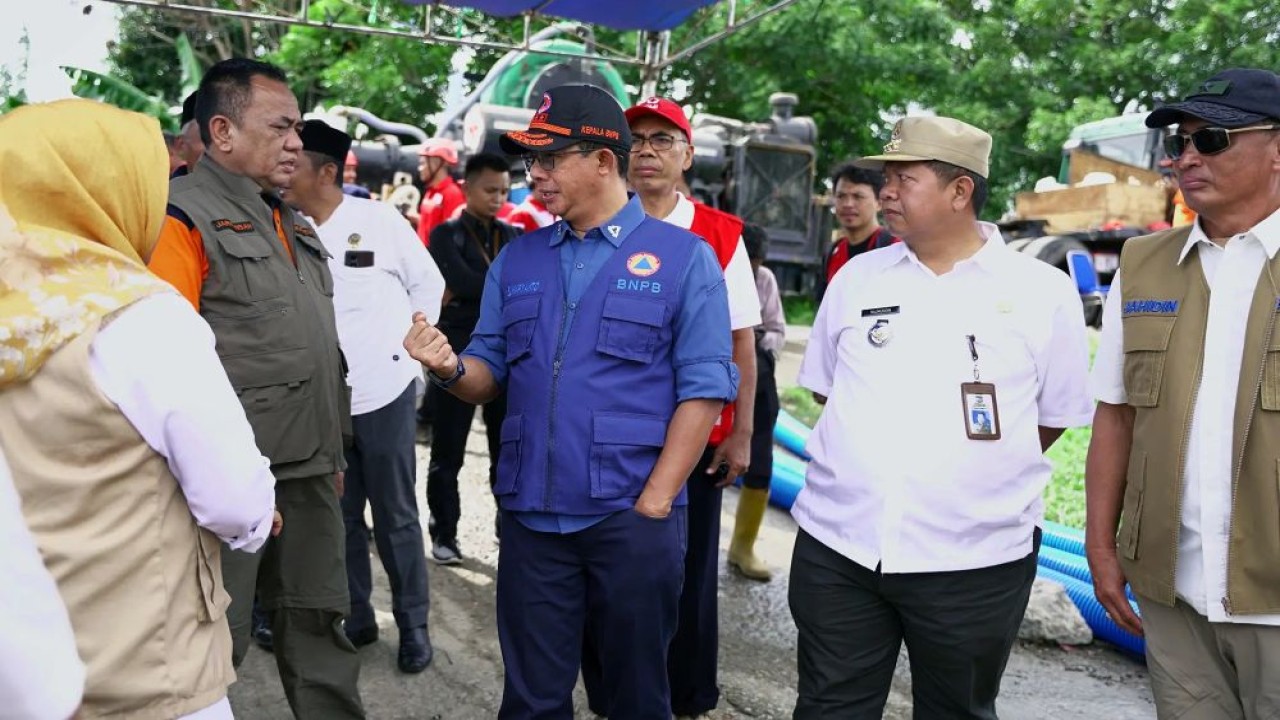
(446, 383)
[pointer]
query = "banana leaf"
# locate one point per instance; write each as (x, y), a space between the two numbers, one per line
(191, 70)
(104, 88)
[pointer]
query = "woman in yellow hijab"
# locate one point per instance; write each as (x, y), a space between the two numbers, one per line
(129, 450)
(82, 197)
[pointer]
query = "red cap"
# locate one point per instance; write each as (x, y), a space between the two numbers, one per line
(351, 159)
(665, 109)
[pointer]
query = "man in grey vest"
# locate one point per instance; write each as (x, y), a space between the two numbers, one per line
(1186, 437)
(257, 273)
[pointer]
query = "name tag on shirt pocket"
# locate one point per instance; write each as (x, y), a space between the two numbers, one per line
(881, 311)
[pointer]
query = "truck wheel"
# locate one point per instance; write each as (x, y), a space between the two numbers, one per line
(1053, 249)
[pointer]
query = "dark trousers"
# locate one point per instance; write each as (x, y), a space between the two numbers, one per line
(958, 626)
(692, 660)
(381, 470)
(760, 472)
(301, 578)
(449, 430)
(621, 578)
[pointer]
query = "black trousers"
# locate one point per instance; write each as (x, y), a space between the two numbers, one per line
(958, 626)
(449, 430)
(760, 471)
(381, 471)
(694, 652)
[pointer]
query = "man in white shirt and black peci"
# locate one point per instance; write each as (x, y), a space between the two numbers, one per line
(949, 364)
(381, 274)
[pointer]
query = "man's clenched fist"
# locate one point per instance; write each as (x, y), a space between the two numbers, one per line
(428, 345)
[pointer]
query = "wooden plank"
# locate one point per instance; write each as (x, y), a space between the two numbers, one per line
(1083, 208)
(1084, 162)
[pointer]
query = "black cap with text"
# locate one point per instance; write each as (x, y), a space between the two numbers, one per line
(571, 114)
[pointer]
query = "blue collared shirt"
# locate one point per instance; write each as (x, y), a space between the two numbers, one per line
(700, 373)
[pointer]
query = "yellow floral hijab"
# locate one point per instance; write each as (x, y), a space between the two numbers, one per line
(83, 188)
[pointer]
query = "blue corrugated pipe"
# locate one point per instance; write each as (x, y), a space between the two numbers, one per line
(791, 434)
(1069, 564)
(1094, 614)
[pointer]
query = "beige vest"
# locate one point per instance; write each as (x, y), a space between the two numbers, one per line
(1165, 313)
(142, 583)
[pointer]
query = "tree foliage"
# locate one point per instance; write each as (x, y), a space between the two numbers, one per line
(1025, 70)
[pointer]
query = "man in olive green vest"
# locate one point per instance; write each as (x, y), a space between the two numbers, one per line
(258, 274)
(1186, 438)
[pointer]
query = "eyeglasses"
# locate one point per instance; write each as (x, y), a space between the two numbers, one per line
(547, 161)
(660, 142)
(1207, 140)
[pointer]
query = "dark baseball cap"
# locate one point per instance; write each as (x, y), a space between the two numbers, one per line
(318, 137)
(1233, 98)
(571, 114)
(188, 110)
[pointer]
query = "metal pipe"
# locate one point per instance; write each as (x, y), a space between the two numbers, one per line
(723, 34)
(377, 123)
(357, 29)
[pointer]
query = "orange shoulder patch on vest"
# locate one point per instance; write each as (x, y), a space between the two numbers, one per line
(240, 227)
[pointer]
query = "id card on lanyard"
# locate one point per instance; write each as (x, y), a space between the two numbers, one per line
(978, 400)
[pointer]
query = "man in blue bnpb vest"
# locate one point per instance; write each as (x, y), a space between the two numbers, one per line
(609, 331)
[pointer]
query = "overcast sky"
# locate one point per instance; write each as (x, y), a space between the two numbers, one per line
(60, 34)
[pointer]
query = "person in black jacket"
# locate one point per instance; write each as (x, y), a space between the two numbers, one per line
(464, 248)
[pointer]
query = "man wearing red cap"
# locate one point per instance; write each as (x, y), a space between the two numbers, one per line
(661, 150)
(442, 196)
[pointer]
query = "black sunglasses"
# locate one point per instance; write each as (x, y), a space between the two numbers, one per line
(1207, 140)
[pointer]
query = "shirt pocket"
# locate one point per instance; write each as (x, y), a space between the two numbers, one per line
(1146, 343)
(624, 449)
(1004, 353)
(520, 318)
(249, 276)
(1271, 374)
(214, 599)
(630, 327)
(1131, 513)
(312, 255)
(507, 481)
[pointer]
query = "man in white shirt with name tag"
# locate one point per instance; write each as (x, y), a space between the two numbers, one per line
(382, 274)
(949, 363)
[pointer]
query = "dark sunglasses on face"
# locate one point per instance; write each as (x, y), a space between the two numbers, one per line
(547, 161)
(1207, 140)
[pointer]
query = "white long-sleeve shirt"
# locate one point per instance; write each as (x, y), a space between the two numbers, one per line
(41, 675)
(772, 320)
(374, 305)
(155, 360)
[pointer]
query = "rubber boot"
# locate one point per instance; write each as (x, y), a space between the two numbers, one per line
(751, 506)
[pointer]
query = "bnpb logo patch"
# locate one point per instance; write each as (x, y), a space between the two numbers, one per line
(643, 264)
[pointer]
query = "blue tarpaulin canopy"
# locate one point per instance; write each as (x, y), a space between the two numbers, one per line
(652, 15)
(652, 19)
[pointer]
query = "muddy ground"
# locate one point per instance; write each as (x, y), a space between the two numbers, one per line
(757, 637)
(757, 643)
